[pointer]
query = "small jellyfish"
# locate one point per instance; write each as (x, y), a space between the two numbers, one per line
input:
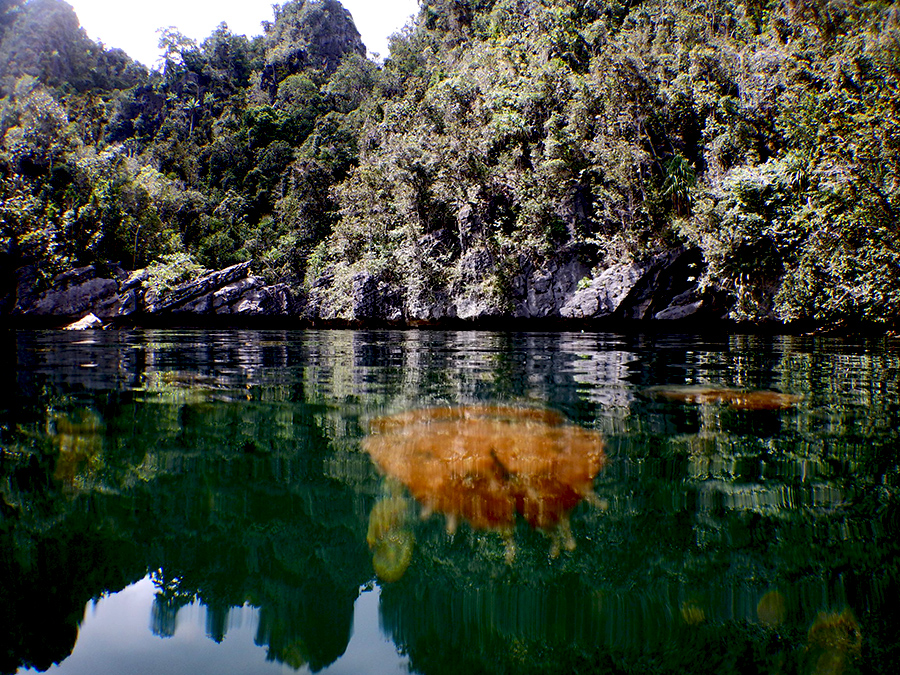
(79, 438)
(771, 609)
(739, 399)
(833, 641)
(390, 538)
(692, 613)
(392, 555)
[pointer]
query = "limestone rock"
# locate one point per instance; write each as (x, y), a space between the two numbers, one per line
(373, 300)
(603, 296)
(192, 292)
(74, 294)
(110, 293)
(662, 288)
(88, 322)
(541, 292)
(476, 293)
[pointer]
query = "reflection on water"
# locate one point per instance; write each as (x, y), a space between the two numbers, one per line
(238, 477)
(115, 631)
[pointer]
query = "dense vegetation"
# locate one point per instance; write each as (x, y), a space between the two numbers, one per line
(765, 133)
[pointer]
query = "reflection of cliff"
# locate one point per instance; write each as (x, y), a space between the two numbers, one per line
(257, 520)
(46, 578)
(227, 504)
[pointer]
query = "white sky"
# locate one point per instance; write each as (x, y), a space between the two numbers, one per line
(132, 26)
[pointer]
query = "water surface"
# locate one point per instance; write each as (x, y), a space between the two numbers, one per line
(202, 501)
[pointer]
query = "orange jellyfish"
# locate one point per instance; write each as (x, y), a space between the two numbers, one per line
(833, 642)
(487, 464)
(740, 399)
(772, 609)
(79, 438)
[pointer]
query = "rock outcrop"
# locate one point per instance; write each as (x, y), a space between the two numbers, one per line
(664, 288)
(562, 288)
(112, 295)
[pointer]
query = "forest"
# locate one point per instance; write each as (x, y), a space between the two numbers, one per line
(763, 136)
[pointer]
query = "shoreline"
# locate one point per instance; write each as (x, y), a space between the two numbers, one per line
(694, 326)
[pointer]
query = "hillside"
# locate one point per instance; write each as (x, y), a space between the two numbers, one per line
(511, 158)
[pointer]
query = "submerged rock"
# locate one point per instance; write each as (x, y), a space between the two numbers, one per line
(109, 294)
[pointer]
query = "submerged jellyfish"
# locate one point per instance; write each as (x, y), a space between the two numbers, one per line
(772, 609)
(390, 537)
(487, 464)
(79, 439)
(740, 399)
(833, 641)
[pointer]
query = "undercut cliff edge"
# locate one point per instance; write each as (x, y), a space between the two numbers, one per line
(564, 292)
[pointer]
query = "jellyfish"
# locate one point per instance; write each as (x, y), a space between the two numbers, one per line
(771, 609)
(739, 399)
(833, 641)
(488, 465)
(79, 438)
(389, 536)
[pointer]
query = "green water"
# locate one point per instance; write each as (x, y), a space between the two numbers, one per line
(190, 501)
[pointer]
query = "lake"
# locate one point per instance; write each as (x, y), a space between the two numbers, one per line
(446, 502)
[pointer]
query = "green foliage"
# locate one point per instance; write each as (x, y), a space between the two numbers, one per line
(41, 134)
(764, 134)
(170, 271)
(309, 34)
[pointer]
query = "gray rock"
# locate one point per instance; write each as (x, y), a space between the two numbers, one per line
(76, 293)
(668, 280)
(475, 293)
(86, 323)
(604, 295)
(543, 292)
(227, 292)
(374, 300)
(191, 293)
(82, 291)
(683, 306)
(661, 288)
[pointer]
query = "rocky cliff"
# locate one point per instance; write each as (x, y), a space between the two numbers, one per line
(118, 297)
(562, 289)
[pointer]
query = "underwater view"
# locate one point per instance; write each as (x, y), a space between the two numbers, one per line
(448, 501)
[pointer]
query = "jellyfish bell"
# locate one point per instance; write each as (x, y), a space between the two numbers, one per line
(487, 465)
(772, 609)
(739, 399)
(389, 535)
(392, 554)
(834, 640)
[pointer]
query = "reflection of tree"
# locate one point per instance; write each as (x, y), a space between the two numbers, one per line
(246, 513)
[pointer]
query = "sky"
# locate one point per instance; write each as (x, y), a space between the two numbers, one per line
(132, 26)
